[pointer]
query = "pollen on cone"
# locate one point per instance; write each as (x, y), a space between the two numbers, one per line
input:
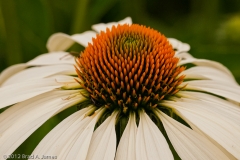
(129, 67)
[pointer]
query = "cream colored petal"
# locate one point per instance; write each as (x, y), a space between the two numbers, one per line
(217, 124)
(204, 72)
(174, 42)
(59, 42)
(62, 41)
(196, 129)
(188, 143)
(81, 144)
(40, 72)
(103, 26)
(186, 58)
(71, 138)
(150, 143)
(103, 143)
(52, 59)
(228, 109)
(178, 45)
(44, 59)
(18, 122)
(127, 146)
(21, 91)
(227, 90)
(68, 144)
(69, 84)
(49, 144)
(231, 113)
(8, 72)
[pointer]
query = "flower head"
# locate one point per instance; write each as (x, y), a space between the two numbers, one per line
(136, 99)
(129, 67)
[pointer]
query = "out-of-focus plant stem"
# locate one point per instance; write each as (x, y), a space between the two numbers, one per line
(13, 53)
(79, 16)
(2, 40)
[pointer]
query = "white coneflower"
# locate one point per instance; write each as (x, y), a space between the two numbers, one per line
(136, 95)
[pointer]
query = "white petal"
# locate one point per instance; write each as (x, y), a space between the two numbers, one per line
(62, 41)
(127, 146)
(103, 143)
(67, 81)
(178, 45)
(188, 143)
(44, 59)
(227, 90)
(227, 109)
(187, 58)
(174, 42)
(40, 72)
(150, 143)
(230, 112)
(21, 91)
(65, 146)
(59, 42)
(48, 144)
(81, 144)
(71, 138)
(211, 122)
(19, 121)
(103, 26)
(52, 59)
(8, 72)
(204, 72)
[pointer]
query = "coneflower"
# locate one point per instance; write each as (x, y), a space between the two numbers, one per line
(136, 95)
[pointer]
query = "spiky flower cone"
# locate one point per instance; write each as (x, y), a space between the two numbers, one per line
(130, 68)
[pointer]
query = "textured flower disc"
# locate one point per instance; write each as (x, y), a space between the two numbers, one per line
(129, 67)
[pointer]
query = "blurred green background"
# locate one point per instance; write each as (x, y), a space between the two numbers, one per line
(212, 28)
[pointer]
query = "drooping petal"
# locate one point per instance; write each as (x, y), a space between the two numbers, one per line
(62, 41)
(103, 26)
(52, 59)
(214, 123)
(103, 143)
(150, 143)
(67, 81)
(228, 109)
(18, 122)
(8, 72)
(59, 134)
(80, 136)
(127, 146)
(21, 91)
(179, 46)
(229, 112)
(227, 90)
(188, 143)
(71, 138)
(81, 144)
(40, 72)
(187, 58)
(204, 72)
